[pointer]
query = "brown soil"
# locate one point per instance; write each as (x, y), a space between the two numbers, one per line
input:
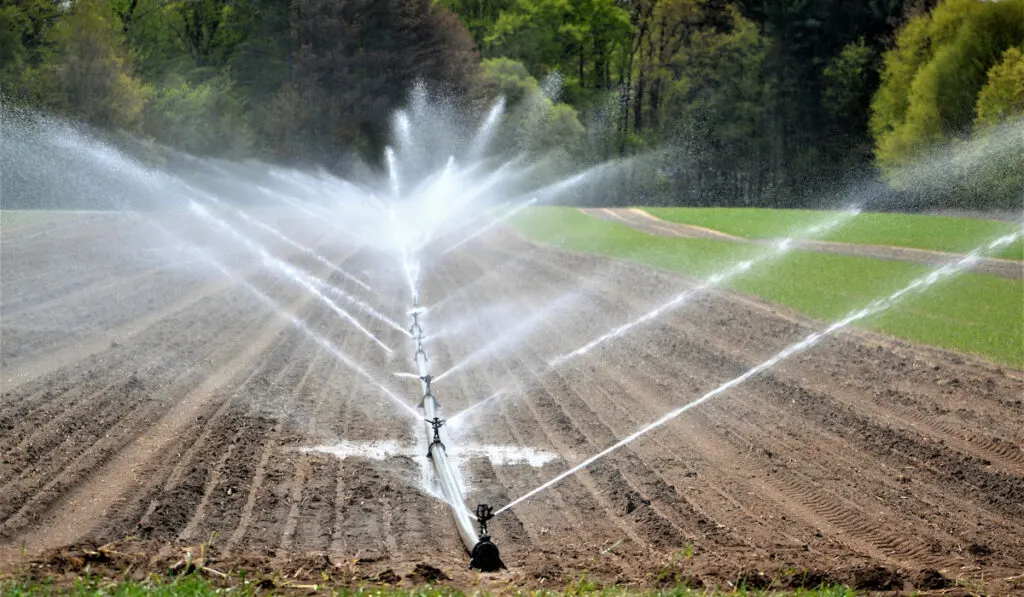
(151, 411)
(645, 222)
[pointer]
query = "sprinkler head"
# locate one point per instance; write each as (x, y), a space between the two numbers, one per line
(483, 514)
(436, 423)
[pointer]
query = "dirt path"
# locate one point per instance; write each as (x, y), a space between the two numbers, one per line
(867, 462)
(645, 222)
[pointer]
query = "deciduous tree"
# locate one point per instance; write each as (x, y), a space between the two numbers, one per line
(932, 80)
(85, 74)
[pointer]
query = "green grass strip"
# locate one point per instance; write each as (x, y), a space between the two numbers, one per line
(936, 233)
(972, 313)
(198, 586)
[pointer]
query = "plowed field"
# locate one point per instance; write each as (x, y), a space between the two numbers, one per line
(153, 404)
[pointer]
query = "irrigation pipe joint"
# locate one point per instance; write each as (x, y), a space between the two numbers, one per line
(485, 555)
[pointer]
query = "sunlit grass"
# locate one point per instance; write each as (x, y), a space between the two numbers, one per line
(198, 586)
(937, 233)
(972, 313)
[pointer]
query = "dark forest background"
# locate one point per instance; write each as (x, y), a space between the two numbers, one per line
(748, 102)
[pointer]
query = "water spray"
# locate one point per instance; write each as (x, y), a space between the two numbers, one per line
(389, 157)
(298, 323)
(289, 270)
(281, 236)
(510, 337)
(776, 251)
(877, 306)
(490, 225)
(462, 414)
(319, 216)
(483, 136)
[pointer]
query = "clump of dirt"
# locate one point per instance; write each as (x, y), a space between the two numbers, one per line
(266, 584)
(386, 577)
(877, 578)
(931, 580)
(755, 580)
(426, 573)
(75, 558)
(548, 571)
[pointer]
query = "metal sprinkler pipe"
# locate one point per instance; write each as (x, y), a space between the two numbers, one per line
(484, 554)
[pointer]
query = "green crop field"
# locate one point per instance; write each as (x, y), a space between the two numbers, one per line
(972, 313)
(937, 233)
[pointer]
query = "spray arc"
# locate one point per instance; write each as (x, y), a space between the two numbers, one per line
(484, 553)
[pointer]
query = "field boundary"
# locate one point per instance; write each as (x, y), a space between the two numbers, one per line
(648, 223)
(868, 337)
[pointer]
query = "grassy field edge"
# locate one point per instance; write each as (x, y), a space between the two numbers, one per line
(971, 313)
(197, 585)
(918, 231)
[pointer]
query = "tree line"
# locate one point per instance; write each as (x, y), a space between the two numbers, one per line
(768, 102)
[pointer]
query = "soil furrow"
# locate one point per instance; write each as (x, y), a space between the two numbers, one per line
(182, 411)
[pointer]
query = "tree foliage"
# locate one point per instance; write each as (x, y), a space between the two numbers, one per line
(1001, 103)
(533, 122)
(1002, 97)
(584, 40)
(753, 101)
(85, 74)
(25, 38)
(849, 80)
(294, 80)
(205, 118)
(932, 79)
(357, 59)
(717, 93)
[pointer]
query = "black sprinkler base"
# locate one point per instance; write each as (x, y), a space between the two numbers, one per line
(485, 556)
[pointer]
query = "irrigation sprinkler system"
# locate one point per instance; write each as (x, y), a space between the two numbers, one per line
(472, 526)
(483, 552)
(431, 219)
